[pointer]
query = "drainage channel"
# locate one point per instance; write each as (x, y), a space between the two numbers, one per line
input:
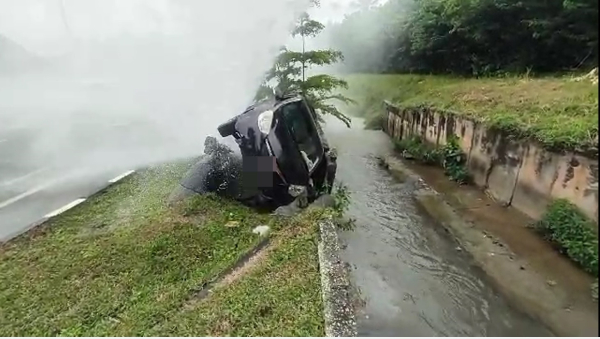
(410, 277)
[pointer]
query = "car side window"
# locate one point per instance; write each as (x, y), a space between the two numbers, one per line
(295, 118)
(296, 122)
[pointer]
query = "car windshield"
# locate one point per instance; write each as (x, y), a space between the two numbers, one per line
(295, 115)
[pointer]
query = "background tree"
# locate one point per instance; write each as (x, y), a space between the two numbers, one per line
(470, 37)
(288, 73)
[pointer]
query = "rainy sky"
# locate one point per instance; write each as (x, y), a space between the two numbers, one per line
(46, 26)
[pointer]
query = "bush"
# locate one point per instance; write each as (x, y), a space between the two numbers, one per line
(341, 197)
(450, 156)
(572, 232)
(454, 161)
(375, 122)
(414, 147)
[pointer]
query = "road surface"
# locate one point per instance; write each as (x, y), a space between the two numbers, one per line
(47, 142)
(30, 189)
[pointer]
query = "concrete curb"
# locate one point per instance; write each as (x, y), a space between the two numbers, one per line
(67, 207)
(340, 320)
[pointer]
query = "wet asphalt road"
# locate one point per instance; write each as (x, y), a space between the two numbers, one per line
(30, 188)
(411, 279)
(62, 139)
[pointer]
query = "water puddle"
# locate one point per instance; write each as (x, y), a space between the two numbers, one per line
(412, 278)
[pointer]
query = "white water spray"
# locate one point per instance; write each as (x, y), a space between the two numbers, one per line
(125, 83)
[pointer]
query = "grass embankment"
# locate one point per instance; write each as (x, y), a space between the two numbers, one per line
(555, 111)
(126, 264)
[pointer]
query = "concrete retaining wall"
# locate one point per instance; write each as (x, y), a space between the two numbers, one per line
(514, 172)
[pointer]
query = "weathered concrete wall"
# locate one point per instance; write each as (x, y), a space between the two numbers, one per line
(514, 172)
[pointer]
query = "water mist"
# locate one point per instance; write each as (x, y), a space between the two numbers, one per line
(125, 83)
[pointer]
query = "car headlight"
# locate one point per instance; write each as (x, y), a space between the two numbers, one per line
(265, 119)
(295, 190)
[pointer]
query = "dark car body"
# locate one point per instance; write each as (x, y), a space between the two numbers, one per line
(284, 155)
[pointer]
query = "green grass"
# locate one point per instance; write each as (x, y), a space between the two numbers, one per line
(555, 111)
(280, 297)
(567, 227)
(126, 264)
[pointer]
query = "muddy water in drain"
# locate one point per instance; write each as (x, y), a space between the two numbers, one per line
(411, 277)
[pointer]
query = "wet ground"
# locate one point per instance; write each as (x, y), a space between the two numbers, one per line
(31, 187)
(411, 277)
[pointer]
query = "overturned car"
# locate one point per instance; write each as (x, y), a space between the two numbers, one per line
(284, 157)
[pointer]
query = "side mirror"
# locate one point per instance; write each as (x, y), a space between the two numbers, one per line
(228, 128)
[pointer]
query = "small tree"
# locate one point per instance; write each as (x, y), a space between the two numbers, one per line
(289, 72)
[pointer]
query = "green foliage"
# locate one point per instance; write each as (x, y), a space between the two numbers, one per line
(376, 122)
(307, 27)
(450, 156)
(414, 147)
(572, 232)
(411, 145)
(474, 37)
(454, 161)
(288, 73)
(341, 197)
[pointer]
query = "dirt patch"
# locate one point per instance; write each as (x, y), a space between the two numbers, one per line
(245, 264)
(524, 267)
(238, 272)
